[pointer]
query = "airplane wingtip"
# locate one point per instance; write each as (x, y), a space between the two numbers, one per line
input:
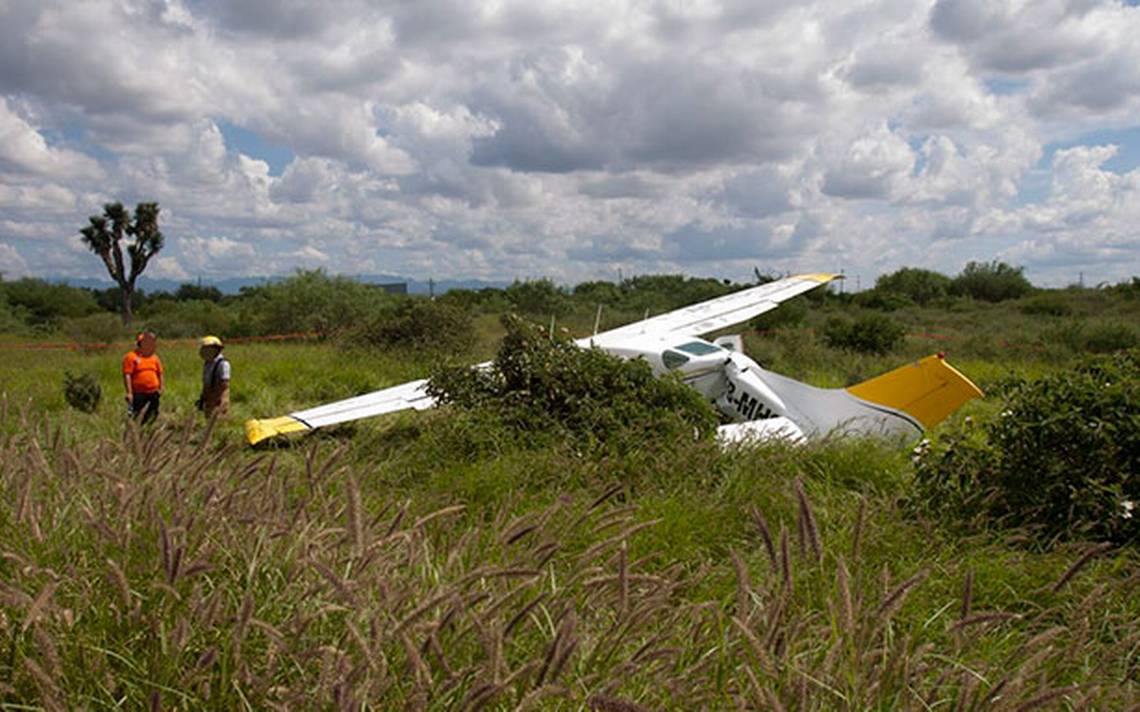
(257, 431)
(821, 277)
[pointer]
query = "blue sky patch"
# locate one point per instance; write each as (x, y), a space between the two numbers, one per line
(74, 137)
(1004, 86)
(1127, 141)
(253, 145)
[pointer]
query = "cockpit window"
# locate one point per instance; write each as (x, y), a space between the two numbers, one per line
(672, 359)
(698, 348)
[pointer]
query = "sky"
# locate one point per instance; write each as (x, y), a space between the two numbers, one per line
(576, 140)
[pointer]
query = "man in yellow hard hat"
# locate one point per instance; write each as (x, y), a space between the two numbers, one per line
(215, 397)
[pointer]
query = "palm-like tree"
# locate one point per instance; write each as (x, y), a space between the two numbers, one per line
(104, 237)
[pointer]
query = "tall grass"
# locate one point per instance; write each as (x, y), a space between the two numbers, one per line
(168, 568)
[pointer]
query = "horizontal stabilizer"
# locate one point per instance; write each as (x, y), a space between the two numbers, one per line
(755, 431)
(927, 390)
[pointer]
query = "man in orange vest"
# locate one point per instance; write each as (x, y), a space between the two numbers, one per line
(142, 377)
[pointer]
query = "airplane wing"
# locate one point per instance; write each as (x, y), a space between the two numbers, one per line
(692, 320)
(389, 400)
(708, 316)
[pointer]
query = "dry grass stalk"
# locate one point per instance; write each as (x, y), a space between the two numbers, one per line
(45, 683)
(895, 598)
(765, 536)
(608, 703)
(1079, 564)
(1044, 698)
(847, 605)
(36, 609)
(811, 529)
(355, 517)
(967, 595)
(743, 585)
(785, 562)
(982, 619)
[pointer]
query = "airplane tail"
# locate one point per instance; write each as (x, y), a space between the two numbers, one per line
(927, 390)
(903, 402)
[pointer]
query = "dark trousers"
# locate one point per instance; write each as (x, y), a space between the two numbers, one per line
(145, 406)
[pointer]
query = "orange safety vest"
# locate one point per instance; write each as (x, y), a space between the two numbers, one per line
(143, 370)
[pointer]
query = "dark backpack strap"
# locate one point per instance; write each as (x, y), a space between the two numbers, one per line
(214, 373)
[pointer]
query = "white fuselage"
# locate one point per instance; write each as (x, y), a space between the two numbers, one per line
(729, 379)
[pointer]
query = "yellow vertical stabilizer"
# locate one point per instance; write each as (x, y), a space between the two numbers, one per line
(927, 390)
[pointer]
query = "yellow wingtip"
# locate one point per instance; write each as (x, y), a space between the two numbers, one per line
(259, 430)
(927, 390)
(821, 277)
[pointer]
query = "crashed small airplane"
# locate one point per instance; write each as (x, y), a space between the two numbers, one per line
(761, 404)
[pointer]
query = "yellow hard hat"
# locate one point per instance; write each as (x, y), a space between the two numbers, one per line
(210, 341)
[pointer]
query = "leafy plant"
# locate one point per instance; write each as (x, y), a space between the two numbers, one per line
(991, 282)
(539, 297)
(538, 383)
(920, 286)
(870, 333)
(82, 392)
(1047, 304)
(1060, 459)
(417, 323)
(789, 315)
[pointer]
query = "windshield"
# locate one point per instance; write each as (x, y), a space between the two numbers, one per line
(698, 348)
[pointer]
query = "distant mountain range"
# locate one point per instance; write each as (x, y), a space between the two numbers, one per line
(233, 285)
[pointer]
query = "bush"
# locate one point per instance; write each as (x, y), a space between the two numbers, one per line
(540, 297)
(920, 286)
(94, 332)
(82, 392)
(310, 301)
(538, 384)
(1047, 304)
(787, 316)
(1106, 338)
(177, 319)
(870, 333)
(883, 301)
(1060, 459)
(991, 282)
(41, 303)
(418, 323)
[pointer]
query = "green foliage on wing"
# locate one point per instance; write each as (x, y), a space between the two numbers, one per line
(540, 384)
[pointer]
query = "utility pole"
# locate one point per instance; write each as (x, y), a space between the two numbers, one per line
(431, 288)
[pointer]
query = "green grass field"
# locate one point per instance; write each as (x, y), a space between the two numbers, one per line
(405, 562)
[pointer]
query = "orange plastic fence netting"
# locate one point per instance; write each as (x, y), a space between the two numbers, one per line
(72, 346)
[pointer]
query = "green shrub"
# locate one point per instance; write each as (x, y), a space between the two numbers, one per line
(537, 384)
(538, 297)
(920, 286)
(82, 392)
(417, 323)
(1060, 459)
(991, 282)
(308, 301)
(1046, 304)
(1079, 336)
(788, 315)
(1106, 338)
(180, 319)
(882, 300)
(41, 303)
(870, 333)
(94, 332)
